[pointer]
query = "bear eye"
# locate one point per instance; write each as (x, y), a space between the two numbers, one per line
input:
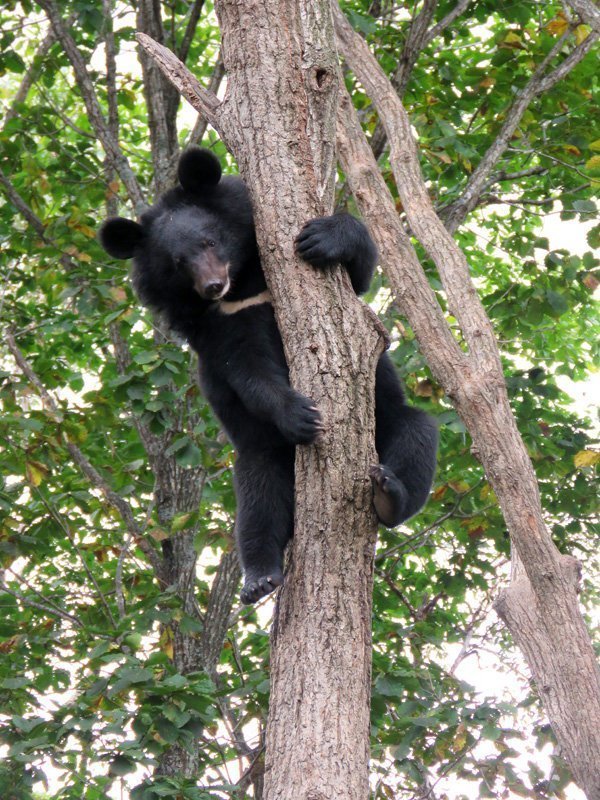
(179, 262)
(210, 243)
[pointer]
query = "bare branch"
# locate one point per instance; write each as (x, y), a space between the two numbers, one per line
(205, 102)
(22, 207)
(112, 200)
(52, 610)
(201, 123)
(502, 176)
(96, 117)
(32, 73)
(68, 533)
(417, 40)
(456, 212)
(115, 500)
(47, 602)
(446, 21)
(190, 30)
(588, 11)
(162, 100)
(415, 297)
(463, 300)
(218, 610)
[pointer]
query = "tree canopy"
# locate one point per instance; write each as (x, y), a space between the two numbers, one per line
(110, 660)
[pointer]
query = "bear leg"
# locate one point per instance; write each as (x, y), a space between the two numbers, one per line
(406, 442)
(264, 485)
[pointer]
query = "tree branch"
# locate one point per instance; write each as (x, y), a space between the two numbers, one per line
(567, 675)
(201, 123)
(32, 73)
(162, 100)
(463, 300)
(446, 21)
(588, 11)
(204, 101)
(52, 610)
(96, 117)
(22, 207)
(218, 610)
(190, 30)
(417, 40)
(454, 214)
(415, 297)
(117, 502)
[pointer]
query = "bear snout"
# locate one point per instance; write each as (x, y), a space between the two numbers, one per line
(214, 289)
(211, 277)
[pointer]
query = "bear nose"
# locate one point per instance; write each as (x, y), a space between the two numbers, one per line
(214, 288)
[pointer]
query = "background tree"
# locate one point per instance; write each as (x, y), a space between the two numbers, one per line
(113, 665)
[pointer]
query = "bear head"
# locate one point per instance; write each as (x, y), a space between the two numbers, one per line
(193, 242)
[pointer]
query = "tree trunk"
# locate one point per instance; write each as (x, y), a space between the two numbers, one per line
(279, 117)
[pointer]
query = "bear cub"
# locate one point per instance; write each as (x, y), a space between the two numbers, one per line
(195, 261)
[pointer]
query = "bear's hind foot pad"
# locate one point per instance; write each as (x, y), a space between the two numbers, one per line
(389, 495)
(255, 588)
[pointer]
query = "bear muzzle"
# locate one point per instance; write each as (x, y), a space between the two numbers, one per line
(211, 278)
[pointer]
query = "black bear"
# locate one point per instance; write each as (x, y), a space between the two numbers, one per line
(195, 260)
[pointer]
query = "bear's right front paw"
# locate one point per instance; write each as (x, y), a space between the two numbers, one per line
(301, 421)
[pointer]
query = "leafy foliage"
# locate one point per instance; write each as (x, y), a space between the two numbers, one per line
(93, 695)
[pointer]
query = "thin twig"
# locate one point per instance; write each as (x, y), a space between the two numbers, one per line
(95, 115)
(454, 214)
(52, 611)
(115, 500)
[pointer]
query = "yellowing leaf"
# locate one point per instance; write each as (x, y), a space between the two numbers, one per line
(513, 39)
(460, 739)
(487, 82)
(441, 155)
(118, 294)
(586, 458)
(8, 645)
(581, 33)
(558, 25)
(36, 472)
(591, 282)
(424, 389)
(440, 492)
(158, 534)
(595, 146)
(570, 148)
(593, 162)
(166, 642)
(460, 487)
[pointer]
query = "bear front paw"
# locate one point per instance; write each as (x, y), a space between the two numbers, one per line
(255, 588)
(319, 242)
(301, 421)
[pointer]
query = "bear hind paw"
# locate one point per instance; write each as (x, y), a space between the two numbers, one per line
(256, 587)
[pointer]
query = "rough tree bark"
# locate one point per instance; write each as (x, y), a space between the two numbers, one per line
(281, 56)
(540, 607)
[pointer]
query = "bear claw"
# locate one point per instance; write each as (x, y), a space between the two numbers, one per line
(254, 589)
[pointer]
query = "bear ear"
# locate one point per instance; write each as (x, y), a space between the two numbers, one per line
(198, 170)
(120, 237)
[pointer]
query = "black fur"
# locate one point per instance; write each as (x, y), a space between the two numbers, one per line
(197, 246)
